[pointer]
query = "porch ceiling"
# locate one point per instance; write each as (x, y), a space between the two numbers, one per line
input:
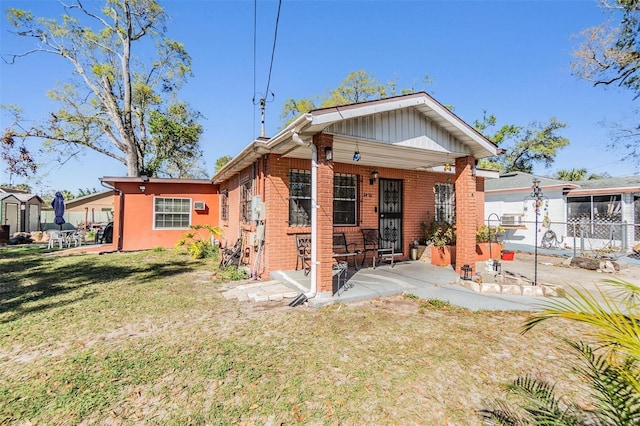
(381, 154)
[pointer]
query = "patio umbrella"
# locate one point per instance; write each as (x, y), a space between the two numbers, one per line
(58, 209)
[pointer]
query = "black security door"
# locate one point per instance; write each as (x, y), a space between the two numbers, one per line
(390, 217)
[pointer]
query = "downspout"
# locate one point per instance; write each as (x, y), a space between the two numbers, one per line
(314, 212)
(120, 210)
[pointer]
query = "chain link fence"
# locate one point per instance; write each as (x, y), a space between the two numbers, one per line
(579, 237)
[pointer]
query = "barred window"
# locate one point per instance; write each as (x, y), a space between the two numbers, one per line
(245, 201)
(445, 203)
(345, 197)
(224, 206)
(299, 197)
(171, 213)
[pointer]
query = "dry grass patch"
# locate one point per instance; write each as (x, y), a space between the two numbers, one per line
(146, 337)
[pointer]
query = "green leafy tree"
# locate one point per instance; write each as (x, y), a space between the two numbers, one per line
(524, 146)
(222, 161)
(118, 103)
(20, 187)
(608, 358)
(573, 175)
(609, 54)
(174, 141)
(358, 86)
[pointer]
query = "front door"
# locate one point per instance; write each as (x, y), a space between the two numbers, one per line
(390, 214)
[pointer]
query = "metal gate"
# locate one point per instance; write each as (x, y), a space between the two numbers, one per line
(390, 214)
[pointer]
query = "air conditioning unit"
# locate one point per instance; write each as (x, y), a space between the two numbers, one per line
(199, 205)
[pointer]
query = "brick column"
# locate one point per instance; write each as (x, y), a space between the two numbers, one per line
(325, 215)
(466, 213)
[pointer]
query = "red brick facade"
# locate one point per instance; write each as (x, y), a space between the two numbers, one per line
(270, 180)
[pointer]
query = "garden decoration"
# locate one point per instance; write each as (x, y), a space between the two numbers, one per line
(539, 200)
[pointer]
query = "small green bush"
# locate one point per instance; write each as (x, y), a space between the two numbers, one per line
(198, 243)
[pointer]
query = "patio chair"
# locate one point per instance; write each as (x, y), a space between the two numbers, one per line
(371, 240)
(56, 238)
(344, 250)
(77, 238)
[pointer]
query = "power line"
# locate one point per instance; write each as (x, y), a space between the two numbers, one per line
(273, 50)
(263, 97)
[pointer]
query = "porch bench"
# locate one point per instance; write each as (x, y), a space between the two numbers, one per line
(341, 250)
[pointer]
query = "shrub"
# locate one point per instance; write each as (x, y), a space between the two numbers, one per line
(198, 242)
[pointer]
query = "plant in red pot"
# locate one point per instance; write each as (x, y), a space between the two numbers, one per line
(443, 240)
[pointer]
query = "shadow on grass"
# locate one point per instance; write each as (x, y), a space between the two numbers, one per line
(31, 282)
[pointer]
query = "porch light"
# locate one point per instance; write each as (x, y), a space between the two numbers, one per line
(466, 272)
(447, 167)
(374, 177)
(142, 188)
(356, 156)
(328, 153)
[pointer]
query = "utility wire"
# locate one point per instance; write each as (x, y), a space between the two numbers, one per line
(273, 50)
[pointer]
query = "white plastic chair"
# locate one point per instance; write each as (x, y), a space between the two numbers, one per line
(56, 237)
(76, 238)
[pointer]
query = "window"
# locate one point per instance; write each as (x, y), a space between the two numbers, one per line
(224, 206)
(299, 198)
(593, 215)
(445, 203)
(345, 190)
(245, 202)
(345, 198)
(171, 212)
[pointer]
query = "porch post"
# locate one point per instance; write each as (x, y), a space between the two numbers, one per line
(466, 213)
(325, 216)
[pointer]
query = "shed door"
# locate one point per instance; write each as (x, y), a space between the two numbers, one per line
(390, 217)
(11, 218)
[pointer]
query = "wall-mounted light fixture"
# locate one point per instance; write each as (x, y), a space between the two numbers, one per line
(447, 167)
(328, 153)
(142, 188)
(374, 177)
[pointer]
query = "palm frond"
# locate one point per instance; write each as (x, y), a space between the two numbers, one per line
(617, 397)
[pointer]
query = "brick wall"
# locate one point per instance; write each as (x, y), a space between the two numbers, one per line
(466, 213)
(272, 183)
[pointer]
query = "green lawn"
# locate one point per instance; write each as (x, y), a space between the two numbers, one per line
(145, 337)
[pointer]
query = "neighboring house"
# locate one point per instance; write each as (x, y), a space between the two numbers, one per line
(157, 212)
(390, 164)
(89, 210)
(20, 211)
(587, 215)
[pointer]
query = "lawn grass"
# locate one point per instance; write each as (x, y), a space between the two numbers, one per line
(145, 337)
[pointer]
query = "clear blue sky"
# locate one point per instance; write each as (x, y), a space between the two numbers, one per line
(510, 58)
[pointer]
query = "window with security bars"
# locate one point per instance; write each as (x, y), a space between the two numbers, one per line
(172, 213)
(299, 197)
(445, 203)
(245, 201)
(345, 197)
(224, 206)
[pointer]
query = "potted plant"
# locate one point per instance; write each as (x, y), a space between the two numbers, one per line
(487, 245)
(443, 240)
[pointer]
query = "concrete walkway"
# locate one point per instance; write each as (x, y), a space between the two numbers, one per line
(433, 282)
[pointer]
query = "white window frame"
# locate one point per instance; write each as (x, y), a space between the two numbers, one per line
(155, 213)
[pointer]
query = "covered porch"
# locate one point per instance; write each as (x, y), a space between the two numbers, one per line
(382, 159)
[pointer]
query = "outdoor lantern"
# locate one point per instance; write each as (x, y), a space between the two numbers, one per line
(497, 267)
(374, 177)
(328, 153)
(356, 155)
(447, 167)
(466, 272)
(142, 188)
